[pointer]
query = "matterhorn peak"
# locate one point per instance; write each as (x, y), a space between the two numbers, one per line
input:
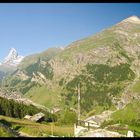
(133, 19)
(62, 48)
(13, 58)
(12, 49)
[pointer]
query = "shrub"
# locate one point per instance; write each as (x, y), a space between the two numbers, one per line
(68, 117)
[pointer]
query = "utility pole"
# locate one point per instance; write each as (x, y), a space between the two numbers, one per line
(78, 91)
(52, 122)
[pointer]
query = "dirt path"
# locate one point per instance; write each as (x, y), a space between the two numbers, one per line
(23, 134)
(102, 133)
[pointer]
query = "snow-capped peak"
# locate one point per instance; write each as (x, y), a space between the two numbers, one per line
(62, 48)
(13, 58)
(132, 19)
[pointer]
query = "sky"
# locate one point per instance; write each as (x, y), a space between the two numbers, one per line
(33, 27)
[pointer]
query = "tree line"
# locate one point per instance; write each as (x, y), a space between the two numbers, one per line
(14, 109)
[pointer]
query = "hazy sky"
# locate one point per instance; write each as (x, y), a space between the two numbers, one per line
(32, 28)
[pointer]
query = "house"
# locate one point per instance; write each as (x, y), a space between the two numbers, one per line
(55, 110)
(28, 117)
(38, 117)
(95, 120)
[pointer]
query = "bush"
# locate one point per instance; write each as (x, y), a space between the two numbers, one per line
(5, 122)
(68, 117)
(106, 123)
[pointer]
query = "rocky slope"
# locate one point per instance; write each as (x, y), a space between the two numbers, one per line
(104, 64)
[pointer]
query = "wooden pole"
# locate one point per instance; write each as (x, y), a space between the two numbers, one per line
(88, 126)
(78, 90)
(52, 123)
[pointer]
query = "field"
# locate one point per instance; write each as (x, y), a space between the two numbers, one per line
(38, 129)
(127, 117)
(4, 132)
(42, 95)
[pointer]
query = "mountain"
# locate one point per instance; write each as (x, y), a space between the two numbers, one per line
(13, 58)
(10, 63)
(106, 65)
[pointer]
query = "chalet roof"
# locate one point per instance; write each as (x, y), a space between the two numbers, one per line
(38, 116)
(56, 109)
(97, 119)
(94, 118)
(27, 117)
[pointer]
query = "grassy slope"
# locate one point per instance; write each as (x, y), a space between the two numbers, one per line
(128, 116)
(43, 95)
(129, 113)
(5, 133)
(136, 87)
(37, 129)
(101, 39)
